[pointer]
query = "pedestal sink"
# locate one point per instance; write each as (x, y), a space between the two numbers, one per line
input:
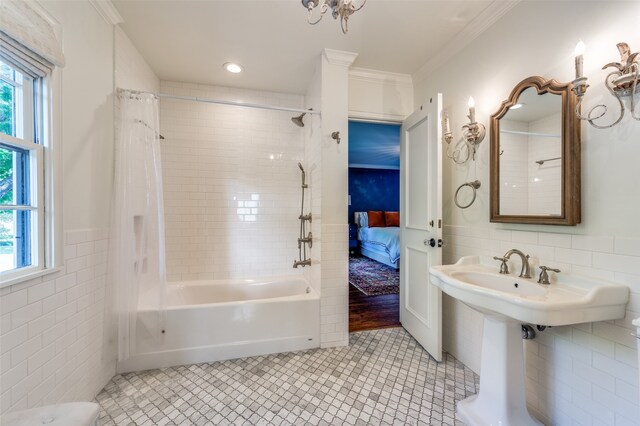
(507, 301)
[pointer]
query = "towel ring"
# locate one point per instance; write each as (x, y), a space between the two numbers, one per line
(473, 185)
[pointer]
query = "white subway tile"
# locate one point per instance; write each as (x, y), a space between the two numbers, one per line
(12, 301)
(524, 237)
(26, 314)
(618, 369)
(554, 240)
(616, 262)
(13, 338)
(602, 244)
(41, 291)
(574, 257)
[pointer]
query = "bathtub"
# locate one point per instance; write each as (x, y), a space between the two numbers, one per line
(210, 321)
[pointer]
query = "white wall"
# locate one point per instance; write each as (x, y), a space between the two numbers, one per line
(379, 95)
(51, 341)
(131, 70)
(586, 374)
(51, 328)
(87, 114)
(327, 162)
(231, 184)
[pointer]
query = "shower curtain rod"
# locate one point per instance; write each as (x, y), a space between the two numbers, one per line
(224, 102)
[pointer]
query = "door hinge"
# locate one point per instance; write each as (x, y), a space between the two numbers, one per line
(440, 223)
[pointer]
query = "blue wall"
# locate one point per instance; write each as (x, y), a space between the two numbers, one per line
(373, 189)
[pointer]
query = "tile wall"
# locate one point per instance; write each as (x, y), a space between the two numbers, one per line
(51, 330)
(585, 374)
(231, 184)
(334, 313)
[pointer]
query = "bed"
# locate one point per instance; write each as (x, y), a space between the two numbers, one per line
(381, 244)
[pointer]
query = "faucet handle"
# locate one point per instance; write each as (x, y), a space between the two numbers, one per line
(504, 268)
(544, 276)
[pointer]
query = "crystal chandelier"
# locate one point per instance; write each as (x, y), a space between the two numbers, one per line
(341, 8)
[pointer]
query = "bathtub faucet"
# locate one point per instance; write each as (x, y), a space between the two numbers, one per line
(308, 239)
(303, 263)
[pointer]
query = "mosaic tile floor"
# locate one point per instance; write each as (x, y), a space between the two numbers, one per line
(382, 378)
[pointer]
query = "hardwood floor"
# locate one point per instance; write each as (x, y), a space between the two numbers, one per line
(372, 312)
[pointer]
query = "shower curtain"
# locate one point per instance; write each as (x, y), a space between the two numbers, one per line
(137, 269)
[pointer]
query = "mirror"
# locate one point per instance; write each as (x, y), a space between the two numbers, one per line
(535, 155)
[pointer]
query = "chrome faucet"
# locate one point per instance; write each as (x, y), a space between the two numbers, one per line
(303, 263)
(544, 276)
(525, 272)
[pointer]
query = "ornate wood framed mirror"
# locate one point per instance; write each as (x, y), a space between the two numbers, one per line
(535, 155)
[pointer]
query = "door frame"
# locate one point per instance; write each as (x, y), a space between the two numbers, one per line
(346, 190)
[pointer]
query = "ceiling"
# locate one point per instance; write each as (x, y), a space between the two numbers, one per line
(374, 145)
(185, 40)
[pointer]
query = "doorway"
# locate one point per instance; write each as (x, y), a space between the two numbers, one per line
(374, 233)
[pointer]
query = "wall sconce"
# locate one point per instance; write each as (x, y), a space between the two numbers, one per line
(472, 134)
(622, 83)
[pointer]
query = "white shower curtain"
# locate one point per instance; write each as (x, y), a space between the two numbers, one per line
(137, 267)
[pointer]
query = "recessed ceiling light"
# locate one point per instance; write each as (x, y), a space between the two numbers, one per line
(516, 106)
(232, 68)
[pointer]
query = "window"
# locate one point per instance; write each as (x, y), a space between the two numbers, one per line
(22, 192)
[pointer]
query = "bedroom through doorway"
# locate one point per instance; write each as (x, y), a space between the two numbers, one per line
(374, 225)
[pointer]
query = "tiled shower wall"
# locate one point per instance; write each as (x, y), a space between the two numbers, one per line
(51, 328)
(526, 186)
(231, 183)
(584, 374)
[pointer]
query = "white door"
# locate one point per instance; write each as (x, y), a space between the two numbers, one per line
(421, 225)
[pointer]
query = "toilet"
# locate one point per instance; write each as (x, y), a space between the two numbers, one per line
(68, 414)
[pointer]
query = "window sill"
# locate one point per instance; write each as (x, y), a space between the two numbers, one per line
(29, 276)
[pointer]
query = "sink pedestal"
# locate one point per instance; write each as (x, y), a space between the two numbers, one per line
(501, 400)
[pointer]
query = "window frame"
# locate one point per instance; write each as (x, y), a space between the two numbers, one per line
(41, 100)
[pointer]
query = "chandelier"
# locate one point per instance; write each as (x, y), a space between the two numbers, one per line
(341, 8)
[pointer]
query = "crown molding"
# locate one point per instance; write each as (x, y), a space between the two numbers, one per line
(108, 11)
(339, 57)
(473, 30)
(379, 77)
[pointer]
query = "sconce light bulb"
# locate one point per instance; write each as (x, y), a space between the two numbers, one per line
(471, 102)
(580, 47)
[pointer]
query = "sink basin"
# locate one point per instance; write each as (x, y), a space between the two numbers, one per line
(507, 301)
(571, 299)
(507, 284)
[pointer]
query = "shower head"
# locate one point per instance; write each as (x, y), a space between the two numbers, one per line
(304, 176)
(298, 120)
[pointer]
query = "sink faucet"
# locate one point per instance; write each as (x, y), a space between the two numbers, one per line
(525, 272)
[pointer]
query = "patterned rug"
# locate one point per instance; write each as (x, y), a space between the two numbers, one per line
(373, 278)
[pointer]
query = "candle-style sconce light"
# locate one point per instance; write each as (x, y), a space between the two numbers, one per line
(473, 134)
(621, 83)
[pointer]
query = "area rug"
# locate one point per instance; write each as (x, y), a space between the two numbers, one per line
(373, 278)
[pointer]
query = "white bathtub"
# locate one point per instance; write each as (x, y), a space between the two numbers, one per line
(216, 320)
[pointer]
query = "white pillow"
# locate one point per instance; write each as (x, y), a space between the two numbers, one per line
(361, 219)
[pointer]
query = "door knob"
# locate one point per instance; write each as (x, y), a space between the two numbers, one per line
(432, 242)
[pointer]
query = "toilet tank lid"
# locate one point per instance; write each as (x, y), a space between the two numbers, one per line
(636, 322)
